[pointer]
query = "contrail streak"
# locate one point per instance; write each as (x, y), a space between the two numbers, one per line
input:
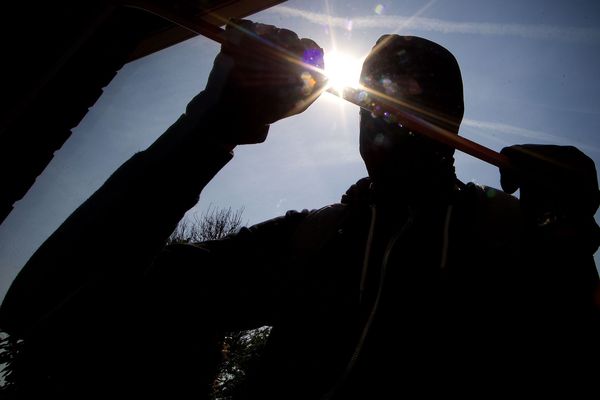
(529, 135)
(509, 129)
(401, 23)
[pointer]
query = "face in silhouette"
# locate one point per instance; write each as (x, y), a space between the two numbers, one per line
(423, 78)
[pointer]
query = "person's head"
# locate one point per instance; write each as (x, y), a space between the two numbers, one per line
(423, 77)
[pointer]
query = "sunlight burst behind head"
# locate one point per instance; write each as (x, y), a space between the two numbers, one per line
(342, 70)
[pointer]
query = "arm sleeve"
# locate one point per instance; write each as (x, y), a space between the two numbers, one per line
(114, 235)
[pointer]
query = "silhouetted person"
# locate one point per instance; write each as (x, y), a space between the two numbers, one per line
(413, 284)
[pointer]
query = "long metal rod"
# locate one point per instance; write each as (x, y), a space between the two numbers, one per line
(408, 119)
(432, 131)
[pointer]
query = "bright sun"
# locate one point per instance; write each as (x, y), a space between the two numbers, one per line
(342, 70)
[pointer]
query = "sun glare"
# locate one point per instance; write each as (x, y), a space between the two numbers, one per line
(342, 70)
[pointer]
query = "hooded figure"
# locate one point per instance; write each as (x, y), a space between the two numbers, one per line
(424, 78)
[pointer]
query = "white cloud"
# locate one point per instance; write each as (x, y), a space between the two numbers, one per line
(510, 129)
(528, 135)
(399, 22)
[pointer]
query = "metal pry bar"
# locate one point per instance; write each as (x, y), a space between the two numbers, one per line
(406, 118)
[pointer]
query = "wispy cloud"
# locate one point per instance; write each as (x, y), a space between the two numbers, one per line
(510, 130)
(526, 135)
(399, 23)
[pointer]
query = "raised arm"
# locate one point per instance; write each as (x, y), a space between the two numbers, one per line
(109, 241)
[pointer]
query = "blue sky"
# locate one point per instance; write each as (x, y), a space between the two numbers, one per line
(529, 71)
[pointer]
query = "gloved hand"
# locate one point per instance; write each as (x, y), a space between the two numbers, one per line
(261, 75)
(559, 190)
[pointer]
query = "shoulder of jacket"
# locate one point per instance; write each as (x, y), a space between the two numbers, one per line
(495, 203)
(304, 226)
(328, 214)
(320, 226)
(497, 217)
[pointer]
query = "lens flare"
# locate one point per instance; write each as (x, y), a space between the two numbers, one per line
(342, 70)
(308, 83)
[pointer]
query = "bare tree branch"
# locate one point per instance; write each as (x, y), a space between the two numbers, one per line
(214, 223)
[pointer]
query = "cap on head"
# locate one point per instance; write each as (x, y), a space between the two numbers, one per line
(421, 74)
